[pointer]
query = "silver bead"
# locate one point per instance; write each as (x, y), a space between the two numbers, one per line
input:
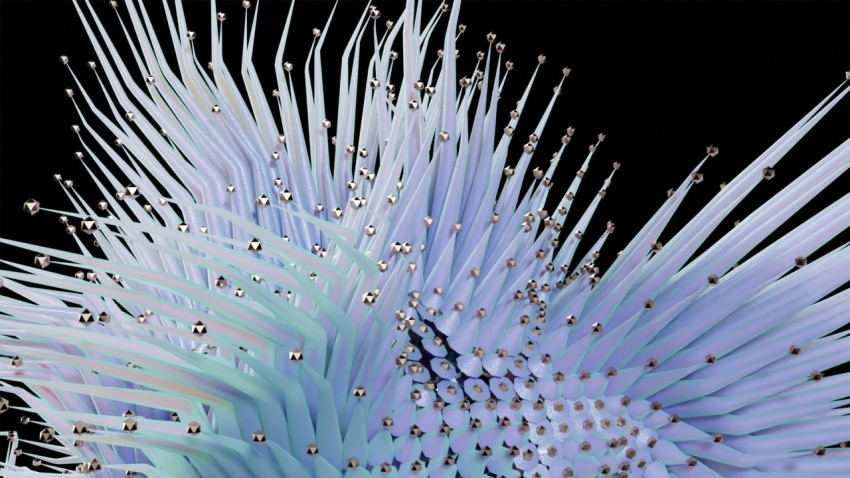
(42, 260)
(262, 201)
(768, 173)
(199, 329)
(254, 245)
(88, 225)
(31, 206)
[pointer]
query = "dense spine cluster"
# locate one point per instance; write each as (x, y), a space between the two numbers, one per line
(266, 291)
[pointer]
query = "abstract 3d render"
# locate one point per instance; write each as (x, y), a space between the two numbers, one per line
(260, 288)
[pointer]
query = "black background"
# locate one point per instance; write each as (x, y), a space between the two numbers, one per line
(661, 79)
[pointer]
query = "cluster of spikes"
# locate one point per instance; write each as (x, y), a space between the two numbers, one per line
(264, 291)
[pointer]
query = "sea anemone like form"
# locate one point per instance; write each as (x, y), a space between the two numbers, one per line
(265, 291)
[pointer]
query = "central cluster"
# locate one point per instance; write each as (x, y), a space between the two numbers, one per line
(496, 413)
(542, 426)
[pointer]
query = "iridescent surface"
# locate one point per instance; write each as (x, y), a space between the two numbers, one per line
(376, 294)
